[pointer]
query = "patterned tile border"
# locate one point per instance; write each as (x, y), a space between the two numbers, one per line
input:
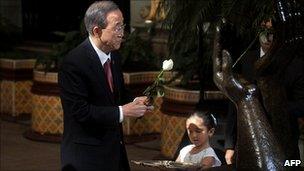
(144, 77)
(182, 95)
(214, 95)
(17, 63)
(191, 96)
(41, 76)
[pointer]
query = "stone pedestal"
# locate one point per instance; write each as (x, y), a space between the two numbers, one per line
(16, 81)
(47, 115)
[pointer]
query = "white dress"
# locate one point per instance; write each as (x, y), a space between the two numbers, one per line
(186, 157)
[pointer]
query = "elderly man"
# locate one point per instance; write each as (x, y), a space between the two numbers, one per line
(93, 95)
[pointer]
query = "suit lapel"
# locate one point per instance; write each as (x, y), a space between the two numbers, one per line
(98, 69)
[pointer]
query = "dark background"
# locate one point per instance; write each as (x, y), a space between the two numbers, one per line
(42, 18)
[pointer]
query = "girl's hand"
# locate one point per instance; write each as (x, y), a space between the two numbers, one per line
(207, 162)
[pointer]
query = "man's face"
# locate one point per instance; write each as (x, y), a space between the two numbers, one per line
(113, 33)
(266, 39)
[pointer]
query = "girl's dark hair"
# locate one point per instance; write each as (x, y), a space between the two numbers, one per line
(208, 118)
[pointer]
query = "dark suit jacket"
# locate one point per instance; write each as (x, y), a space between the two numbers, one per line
(92, 138)
(293, 81)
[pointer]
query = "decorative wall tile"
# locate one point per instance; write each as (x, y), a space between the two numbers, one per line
(50, 77)
(17, 64)
(47, 116)
(7, 97)
(173, 129)
(145, 77)
(23, 97)
(16, 97)
(182, 95)
(149, 123)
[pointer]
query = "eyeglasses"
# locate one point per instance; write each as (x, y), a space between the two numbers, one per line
(117, 29)
(120, 28)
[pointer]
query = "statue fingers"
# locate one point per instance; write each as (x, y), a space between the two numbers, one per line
(226, 63)
(217, 57)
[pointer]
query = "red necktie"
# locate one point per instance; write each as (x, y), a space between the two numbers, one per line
(108, 72)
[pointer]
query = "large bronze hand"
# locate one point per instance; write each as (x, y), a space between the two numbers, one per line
(257, 148)
(236, 89)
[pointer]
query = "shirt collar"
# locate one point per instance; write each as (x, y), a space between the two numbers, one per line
(262, 53)
(103, 57)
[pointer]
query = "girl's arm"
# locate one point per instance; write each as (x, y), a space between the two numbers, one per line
(178, 159)
(208, 162)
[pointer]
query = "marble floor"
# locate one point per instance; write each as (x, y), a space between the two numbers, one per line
(20, 154)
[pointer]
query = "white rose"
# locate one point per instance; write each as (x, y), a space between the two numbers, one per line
(167, 65)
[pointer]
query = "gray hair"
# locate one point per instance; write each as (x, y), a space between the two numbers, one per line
(96, 14)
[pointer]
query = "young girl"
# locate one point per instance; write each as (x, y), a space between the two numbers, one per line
(200, 127)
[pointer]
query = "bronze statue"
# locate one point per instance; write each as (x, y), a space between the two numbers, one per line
(267, 139)
(261, 150)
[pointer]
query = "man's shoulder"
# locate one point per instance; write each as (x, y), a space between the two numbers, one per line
(77, 57)
(252, 54)
(77, 54)
(81, 48)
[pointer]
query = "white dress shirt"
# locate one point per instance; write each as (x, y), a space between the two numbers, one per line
(262, 53)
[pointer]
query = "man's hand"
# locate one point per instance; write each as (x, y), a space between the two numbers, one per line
(137, 108)
(229, 156)
(141, 99)
(146, 101)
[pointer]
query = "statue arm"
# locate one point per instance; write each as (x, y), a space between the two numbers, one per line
(261, 150)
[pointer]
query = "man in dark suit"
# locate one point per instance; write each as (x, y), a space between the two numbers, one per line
(293, 82)
(93, 94)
